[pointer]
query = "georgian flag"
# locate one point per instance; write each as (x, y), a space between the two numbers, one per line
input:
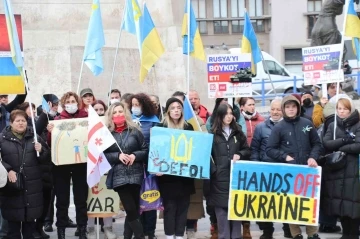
(99, 139)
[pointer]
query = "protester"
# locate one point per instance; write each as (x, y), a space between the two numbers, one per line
(341, 187)
(4, 99)
(307, 103)
(258, 153)
(302, 108)
(115, 96)
(19, 156)
(100, 107)
(127, 172)
(317, 116)
(5, 110)
(199, 109)
(225, 151)
(25, 107)
(87, 98)
(304, 149)
(125, 99)
(175, 190)
(347, 68)
(159, 109)
(64, 174)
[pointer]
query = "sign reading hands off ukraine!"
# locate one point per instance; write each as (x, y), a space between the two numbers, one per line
(268, 192)
(180, 153)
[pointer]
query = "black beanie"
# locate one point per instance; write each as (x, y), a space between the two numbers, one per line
(172, 100)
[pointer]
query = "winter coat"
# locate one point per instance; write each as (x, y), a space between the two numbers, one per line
(223, 151)
(341, 189)
(251, 123)
(26, 205)
(5, 110)
(131, 141)
(196, 208)
(308, 111)
(173, 187)
(259, 141)
(318, 117)
(204, 114)
(294, 137)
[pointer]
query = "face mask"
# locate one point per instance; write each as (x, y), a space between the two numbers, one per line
(248, 113)
(136, 111)
(119, 120)
(71, 108)
(52, 113)
(113, 101)
(307, 102)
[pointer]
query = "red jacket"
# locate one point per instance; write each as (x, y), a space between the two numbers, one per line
(251, 124)
(65, 115)
(204, 114)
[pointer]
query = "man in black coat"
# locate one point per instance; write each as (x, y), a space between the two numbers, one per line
(295, 140)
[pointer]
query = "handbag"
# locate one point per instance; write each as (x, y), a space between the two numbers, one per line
(150, 197)
(335, 161)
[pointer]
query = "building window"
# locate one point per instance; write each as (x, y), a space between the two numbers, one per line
(314, 5)
(311, 22)
(220, 8)
(202, 25)
(293, 55)
(237, 26)
(221, 27)
(258, 25)
(199, 8)
(256, 8)
(237, 8)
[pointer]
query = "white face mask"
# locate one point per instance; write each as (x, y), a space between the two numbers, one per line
(71, 108)
(52, 113)
(113, 101)
(136, 111)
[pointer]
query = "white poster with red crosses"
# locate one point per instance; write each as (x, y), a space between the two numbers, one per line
(220, 68)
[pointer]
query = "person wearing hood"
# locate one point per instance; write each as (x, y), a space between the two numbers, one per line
(258, 147)
(294, 140)
(64, 174)
(307, 103)
(340, 191)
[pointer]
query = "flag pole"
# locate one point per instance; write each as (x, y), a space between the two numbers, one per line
(267, 70)
(347, 2)
(97, 228)
(81, 70)
(116, 54)
(188, 46)
(24, 75)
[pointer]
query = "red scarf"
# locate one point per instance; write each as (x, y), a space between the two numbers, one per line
(120, 129)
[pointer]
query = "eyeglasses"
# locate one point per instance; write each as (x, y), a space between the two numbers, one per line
(3, 96)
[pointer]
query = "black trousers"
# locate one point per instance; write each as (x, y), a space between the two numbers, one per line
(350, 227)
(130, 198)
(62, 176)
(49, 219)
(47, 201)
(16, 229)
(148, 220)
(175, 215)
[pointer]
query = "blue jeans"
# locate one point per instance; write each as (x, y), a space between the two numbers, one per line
(3, 227)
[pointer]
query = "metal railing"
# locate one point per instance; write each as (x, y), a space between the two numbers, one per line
(268, 95)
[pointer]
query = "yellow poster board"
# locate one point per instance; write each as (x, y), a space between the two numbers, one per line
(101, 201)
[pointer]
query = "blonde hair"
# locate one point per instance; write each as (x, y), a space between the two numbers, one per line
(169, 122)
(109, 114)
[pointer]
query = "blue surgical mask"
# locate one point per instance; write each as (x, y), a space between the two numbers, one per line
(136, 111)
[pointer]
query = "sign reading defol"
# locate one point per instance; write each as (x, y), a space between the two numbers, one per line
(268, 192)
(180, 152)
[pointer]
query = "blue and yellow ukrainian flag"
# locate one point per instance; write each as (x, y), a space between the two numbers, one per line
(189, 115)
(11, 80)
(250, 43)
(352, 28)
(196, 47)
(151, 46)
(95, 41)
(131, 22)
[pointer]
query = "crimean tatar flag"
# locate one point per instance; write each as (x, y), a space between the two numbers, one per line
(95, 41)
(352, 28)
(99, 139)
(131, 21)
(151, 46)
(196, 46)
(250, 43)
(189, 115)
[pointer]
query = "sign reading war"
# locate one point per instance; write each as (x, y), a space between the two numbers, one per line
(180, 152)
(267, 192)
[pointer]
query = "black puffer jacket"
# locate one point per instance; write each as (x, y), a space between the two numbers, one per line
(223, 151)
(172, 187)
(341, 189)
(131, 141)
(28, 204)
(259, 141)
(295, 137)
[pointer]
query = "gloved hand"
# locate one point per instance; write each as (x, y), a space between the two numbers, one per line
(348, 139)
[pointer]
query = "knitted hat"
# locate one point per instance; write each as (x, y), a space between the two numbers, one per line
(307, 92)
(172, 100)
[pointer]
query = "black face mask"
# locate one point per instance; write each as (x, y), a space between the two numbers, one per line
(307, 102)
(248, 113)
(101, 114)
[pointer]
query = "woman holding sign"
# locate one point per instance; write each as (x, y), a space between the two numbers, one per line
(341, 194)
(127, 158)
(229, 145)
(175, 190)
